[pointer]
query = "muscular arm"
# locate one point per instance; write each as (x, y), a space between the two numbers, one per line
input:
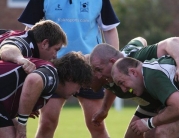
(170, 47)
(103, 112)
(167, 116)
(13, 54)
(111, 37)
(108, 100)
(171, 112)
(31, 92)
(10, 53)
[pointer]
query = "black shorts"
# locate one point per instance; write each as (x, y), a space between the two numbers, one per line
(86, 93)
(141, 113)
(5, 120)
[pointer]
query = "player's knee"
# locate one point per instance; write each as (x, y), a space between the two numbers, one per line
(99, 131)
(160, 132)
(48, 123)
(92, 127)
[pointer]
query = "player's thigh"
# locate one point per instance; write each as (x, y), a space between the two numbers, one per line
(7, 132)
(52, 109)
(90, 106)
(90, 101)
(168, 130)
(129, 133)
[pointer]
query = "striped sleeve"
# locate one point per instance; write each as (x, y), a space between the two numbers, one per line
(50, 80)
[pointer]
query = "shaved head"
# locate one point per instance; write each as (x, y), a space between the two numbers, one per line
(123, 64)
(104, 52)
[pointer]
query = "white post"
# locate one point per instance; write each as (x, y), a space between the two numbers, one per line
(118, 104)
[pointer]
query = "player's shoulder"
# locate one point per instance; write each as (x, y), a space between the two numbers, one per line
(40, 62)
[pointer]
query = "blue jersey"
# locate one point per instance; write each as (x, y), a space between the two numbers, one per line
(81, 20)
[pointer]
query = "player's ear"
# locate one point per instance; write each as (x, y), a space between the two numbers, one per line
(45, 43)
(113, 60)
(132, 71)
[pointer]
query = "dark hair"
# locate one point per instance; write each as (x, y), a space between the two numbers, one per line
(47, 29)
(73, 67)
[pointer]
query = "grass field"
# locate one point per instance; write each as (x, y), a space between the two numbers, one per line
(72, 123)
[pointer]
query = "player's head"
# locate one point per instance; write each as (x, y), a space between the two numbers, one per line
(49, 37)
(47, 29)
(126, 73)
(74, 72)
(102, 58)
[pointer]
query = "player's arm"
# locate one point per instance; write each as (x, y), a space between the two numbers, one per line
(103, 112)
(141, 39)
(167, 94)
(170, 47)
(31, 91)
(108, 100)
(108, 22)
(111, 37)
(12, 53)
(170, 113)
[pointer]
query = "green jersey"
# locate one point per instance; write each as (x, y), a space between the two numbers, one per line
(136, 50)
(159, 78)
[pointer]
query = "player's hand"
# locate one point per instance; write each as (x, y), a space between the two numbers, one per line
(99, 117)
(34, 114)
(20, 131)
(27, 65)
(139, 126)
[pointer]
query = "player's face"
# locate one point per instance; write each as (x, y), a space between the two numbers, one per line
(67, 90)
(127, 82)
(49, 53)
(101, 69)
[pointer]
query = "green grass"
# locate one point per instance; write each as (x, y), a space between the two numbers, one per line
(72, 123)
